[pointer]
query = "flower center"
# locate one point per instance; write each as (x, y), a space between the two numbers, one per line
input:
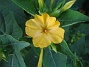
(45, 31)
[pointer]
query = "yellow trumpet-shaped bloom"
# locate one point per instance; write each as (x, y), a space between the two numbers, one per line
(44, 30)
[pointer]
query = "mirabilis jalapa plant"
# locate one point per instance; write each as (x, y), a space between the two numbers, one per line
(45, 27)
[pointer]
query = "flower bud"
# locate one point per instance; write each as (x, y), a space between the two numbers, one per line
(41, 3)
(68, 5)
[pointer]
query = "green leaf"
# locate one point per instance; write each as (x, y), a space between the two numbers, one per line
(17, 45)
(83, 28)
(15, 60)
(83, 42)
(52, 59)
(63, 48)
(87, 45)
(10, 31)
(71, 17)
(69, 65)
(8, 24)
(1, 53)
(80, 46)
(31, 59)
(17, 11)
(3, 63)
(29, 6)
(67, 33)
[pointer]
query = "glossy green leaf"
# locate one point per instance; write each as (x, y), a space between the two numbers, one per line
(87, 45)
(83, 28)
(31, 59)
(79, 45)
(15, 60)
(52, 59)
(17, 11)
(8, 25)
(69, 65)
(83, 42)
(71, 17)
(9, 32)
(17, 45)
(1, 53)
(29, 6)
(3, 63)
(63, 47)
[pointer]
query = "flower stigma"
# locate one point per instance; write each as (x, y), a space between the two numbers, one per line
(45, 31)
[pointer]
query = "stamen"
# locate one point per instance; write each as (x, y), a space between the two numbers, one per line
(46, 31)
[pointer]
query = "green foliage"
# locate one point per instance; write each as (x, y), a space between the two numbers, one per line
(8, 24)
(63, 47)
(17, 12)
(33, 57)
(79, 45)
(52, 59)
(9, 32)
(72, 17)
(17, 50)
(27, 5)
(15, 60)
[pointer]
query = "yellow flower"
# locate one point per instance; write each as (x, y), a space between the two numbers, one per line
(44, 30)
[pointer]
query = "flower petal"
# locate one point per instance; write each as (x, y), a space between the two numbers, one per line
(41, 41)
(49, 21)
(56, 35)
(56, 25)
(39, 20)
(33, 24)
(45, 17)
(32, 32)
(57, 31)
(56, 39)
